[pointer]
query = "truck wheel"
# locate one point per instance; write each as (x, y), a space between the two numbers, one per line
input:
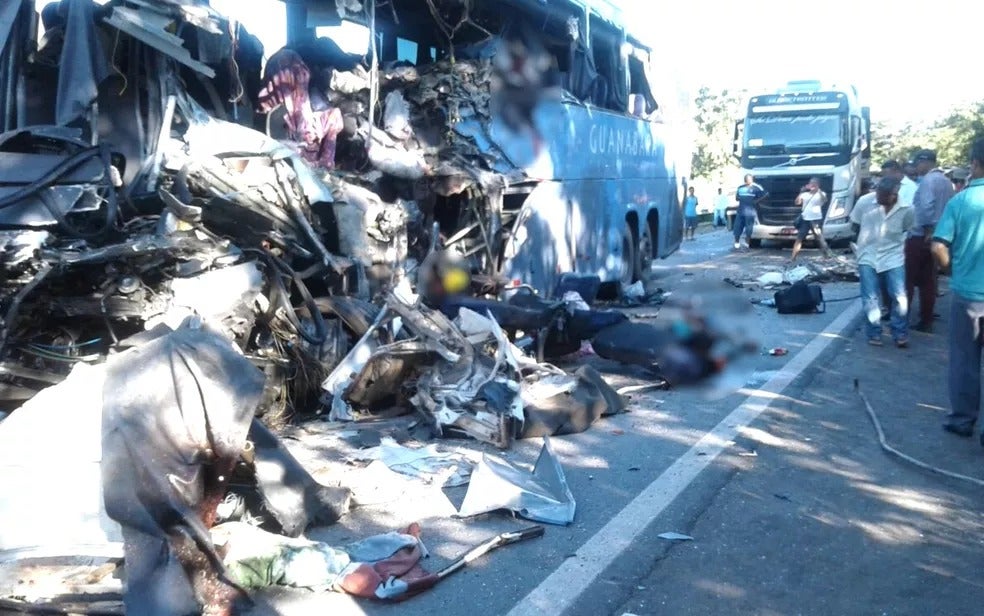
(644, 255)
(628, 258)
(754, 243)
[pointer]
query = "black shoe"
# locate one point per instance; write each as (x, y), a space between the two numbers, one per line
(964, 431)
(926, 328)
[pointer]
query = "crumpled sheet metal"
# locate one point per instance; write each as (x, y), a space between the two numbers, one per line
(542, 496)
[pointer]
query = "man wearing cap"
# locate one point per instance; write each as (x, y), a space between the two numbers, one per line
(958, 245)
(959, 176)
(934, 191)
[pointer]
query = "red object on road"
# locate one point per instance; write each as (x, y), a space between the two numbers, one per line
(778, 351)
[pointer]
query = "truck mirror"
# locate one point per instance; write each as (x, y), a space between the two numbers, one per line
(736, 142)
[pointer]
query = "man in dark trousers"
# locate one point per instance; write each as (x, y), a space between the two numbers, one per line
(749, 195)
(958, 245)
(935, 189)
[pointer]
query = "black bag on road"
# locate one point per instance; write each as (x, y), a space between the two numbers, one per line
(800, 298)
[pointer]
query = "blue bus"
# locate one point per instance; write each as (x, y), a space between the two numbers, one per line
(598, 194)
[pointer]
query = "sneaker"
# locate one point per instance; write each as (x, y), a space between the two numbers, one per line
(737, 245)
(902, 343)
(926, 328)
(875, 341)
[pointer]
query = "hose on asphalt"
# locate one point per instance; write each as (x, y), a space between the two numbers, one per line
(903, 456)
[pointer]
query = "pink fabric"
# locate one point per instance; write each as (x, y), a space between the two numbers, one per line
(285, 82)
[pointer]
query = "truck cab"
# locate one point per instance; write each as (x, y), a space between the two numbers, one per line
(805, 130)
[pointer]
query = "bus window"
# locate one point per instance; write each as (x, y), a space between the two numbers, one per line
(406, 51)
(606, 48)
(351, 37)
(642, 103)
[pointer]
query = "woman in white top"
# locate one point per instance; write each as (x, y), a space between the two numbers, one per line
(811, 199)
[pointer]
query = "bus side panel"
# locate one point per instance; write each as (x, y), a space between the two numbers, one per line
(578, 225)
(581, 143)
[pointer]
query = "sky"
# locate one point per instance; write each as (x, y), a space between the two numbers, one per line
(908, 65)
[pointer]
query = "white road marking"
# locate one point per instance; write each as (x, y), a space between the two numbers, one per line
(562, 588)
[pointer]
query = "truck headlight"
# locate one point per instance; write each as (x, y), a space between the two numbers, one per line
(837, 213)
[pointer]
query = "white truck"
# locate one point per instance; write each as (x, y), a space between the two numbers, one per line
(803, 130)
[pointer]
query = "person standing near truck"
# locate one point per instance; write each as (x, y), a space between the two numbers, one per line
(958, 245)
(935, 189)
(721, 209)
(881, 244)
(690, 204)
(811, 199)
(748, 195)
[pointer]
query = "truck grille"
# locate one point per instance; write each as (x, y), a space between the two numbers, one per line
(779, 208)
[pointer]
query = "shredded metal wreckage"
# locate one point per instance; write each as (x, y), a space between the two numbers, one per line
(176, 283)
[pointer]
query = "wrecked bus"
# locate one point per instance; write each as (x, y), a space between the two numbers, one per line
(592, 189)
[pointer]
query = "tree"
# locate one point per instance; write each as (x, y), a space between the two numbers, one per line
(950, 136)
(715, 121)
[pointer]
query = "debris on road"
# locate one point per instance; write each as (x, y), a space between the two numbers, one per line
(672, 536)
(541, 495)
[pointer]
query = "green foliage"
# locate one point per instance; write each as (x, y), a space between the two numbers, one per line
(950, 136)
(716, 113)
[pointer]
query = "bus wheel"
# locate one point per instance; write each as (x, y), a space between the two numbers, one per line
(754, 243)
(644, 256)
(628, 258)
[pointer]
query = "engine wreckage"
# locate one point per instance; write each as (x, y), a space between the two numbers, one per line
(186, 285)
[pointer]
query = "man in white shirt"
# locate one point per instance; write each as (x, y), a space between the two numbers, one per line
(811, 199)
(881, 244)
(907, 188)
(721, 204)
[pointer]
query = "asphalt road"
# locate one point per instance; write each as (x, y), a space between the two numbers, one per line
(792, 506)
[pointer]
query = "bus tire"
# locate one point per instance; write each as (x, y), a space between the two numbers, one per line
(644, 255)
(629, 264)
(754, 243)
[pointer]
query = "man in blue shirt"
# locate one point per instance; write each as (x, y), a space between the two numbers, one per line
(690, 214)
(748, 195)
(958, 245)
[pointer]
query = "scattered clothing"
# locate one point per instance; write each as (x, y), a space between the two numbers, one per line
(287, 82)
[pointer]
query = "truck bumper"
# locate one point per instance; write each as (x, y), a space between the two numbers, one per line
(836, 232)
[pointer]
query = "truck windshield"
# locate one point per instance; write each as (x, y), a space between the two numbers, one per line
(794, 131)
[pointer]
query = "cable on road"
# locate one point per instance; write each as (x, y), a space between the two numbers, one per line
(903, 456)
(842, 299)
